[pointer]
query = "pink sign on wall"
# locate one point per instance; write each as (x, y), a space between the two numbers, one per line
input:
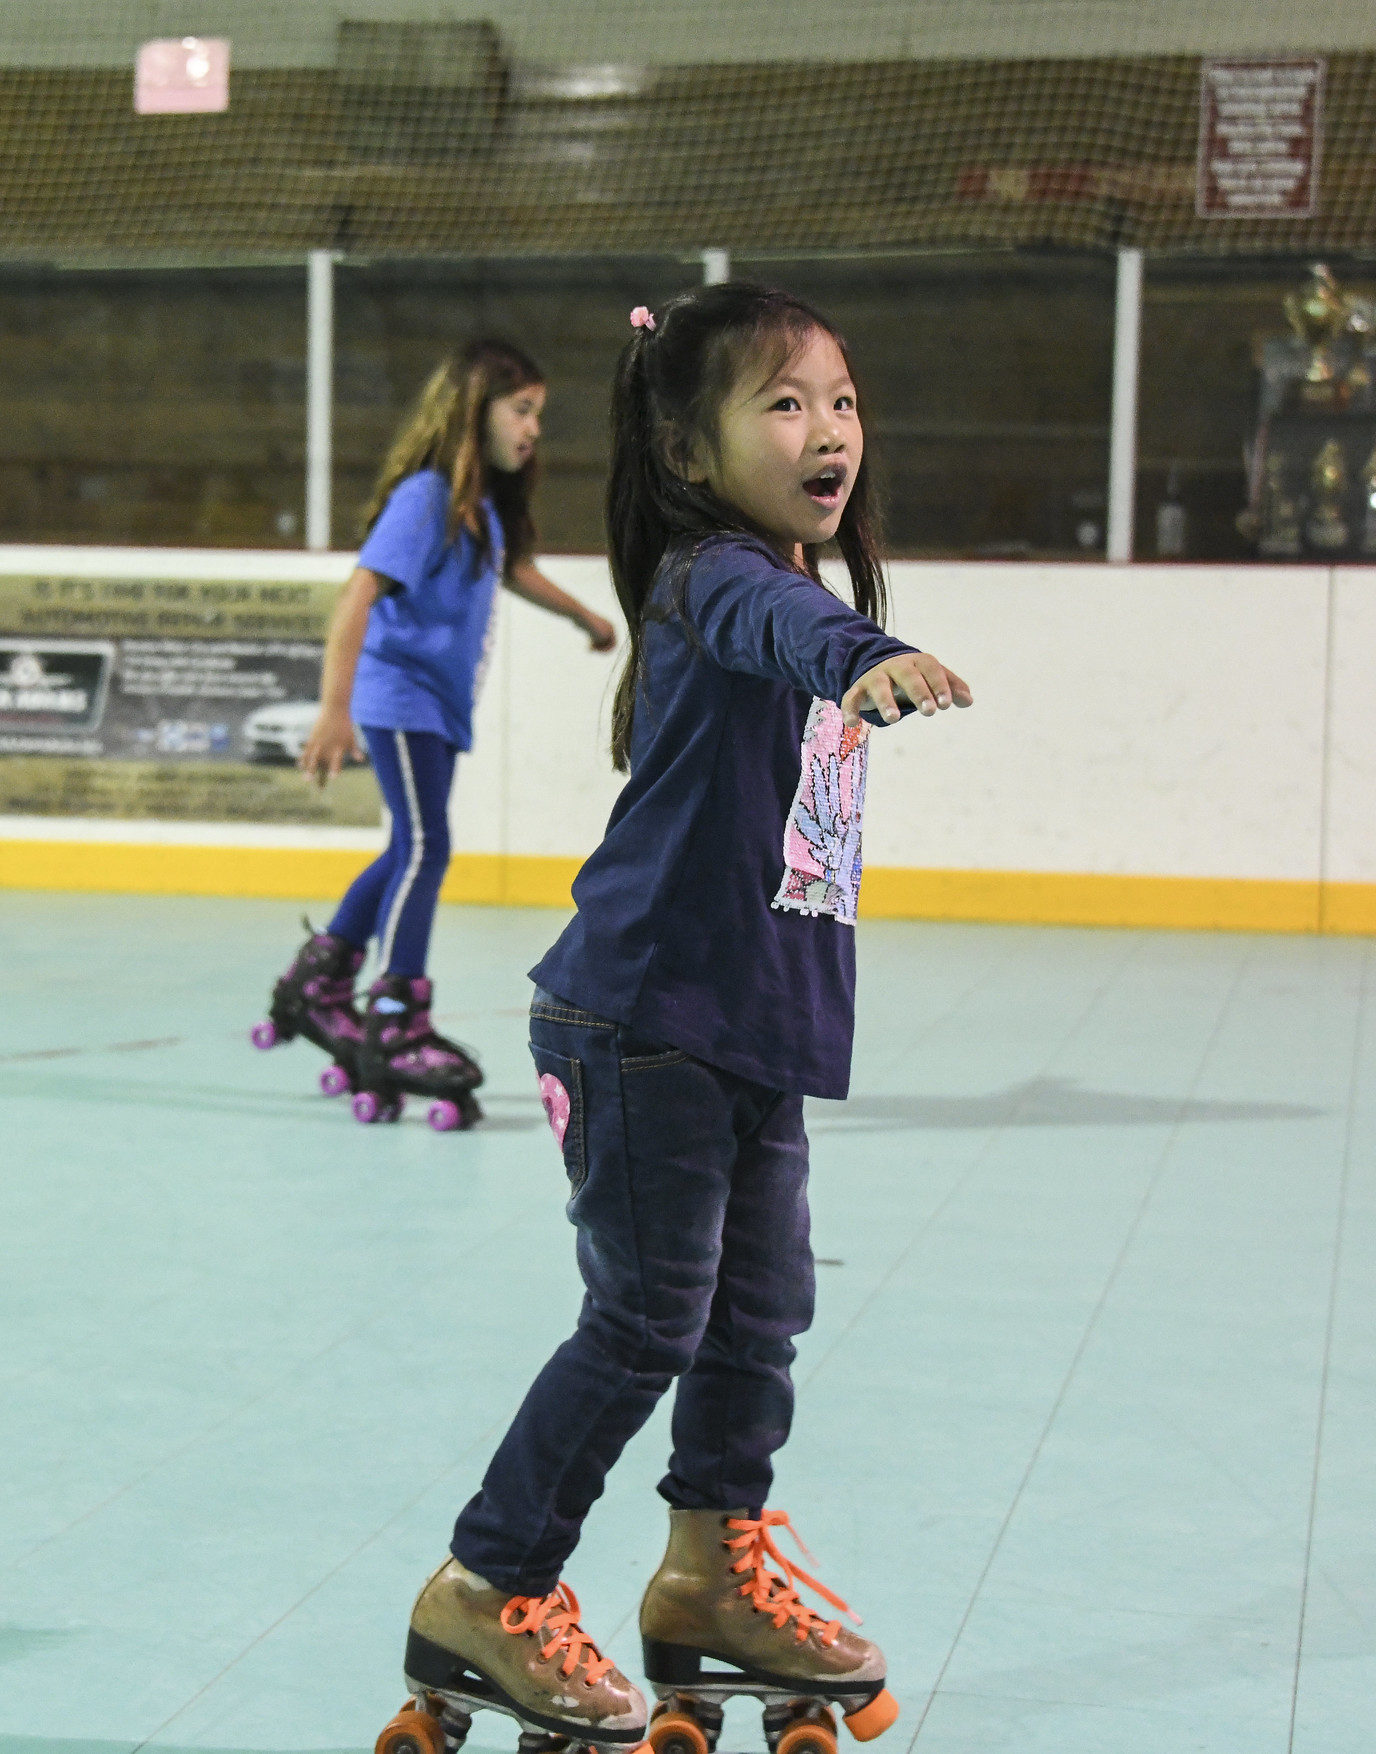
(176, 76)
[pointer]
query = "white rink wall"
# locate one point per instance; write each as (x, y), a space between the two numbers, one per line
(1184, 721)
(1130, 721)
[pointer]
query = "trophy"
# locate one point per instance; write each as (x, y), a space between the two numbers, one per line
(1280, 515)
(1320, 316)
(1369, 495)
(1328, 477)
(1357, 385)
(1316, 417)
(1318, 312)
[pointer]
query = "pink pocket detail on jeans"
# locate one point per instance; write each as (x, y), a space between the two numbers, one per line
(557, 1105)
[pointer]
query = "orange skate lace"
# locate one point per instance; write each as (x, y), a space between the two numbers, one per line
(557, 1614)
(778, 1596)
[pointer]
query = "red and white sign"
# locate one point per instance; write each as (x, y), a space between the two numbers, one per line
(182, 76)
(1260, 139)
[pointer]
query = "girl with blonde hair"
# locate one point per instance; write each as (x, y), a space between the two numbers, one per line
(448, 521)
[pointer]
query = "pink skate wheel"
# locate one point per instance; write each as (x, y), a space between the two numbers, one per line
(263, 1035)
(366, 1107)
(334, 1081)
(444, 1116)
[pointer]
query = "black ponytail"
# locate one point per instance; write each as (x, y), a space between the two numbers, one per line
(636, 530)
(671, 383)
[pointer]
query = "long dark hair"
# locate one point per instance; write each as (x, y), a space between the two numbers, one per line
(444, 430)
(671, 384)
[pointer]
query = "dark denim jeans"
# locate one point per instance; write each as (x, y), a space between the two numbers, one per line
(689, 1193)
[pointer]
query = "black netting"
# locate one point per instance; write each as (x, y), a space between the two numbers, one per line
(436, 134)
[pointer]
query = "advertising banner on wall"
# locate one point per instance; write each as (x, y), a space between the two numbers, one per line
(178, 699)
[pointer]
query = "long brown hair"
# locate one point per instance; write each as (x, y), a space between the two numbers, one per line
(445, 430)
(672, 382)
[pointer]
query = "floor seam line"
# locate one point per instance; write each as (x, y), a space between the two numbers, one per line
(1147, 1196)
(220, 1425)
(1321, 1411)
(316, 1587)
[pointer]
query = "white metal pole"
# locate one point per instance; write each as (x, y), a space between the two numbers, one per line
(1122, 448)
(716, 267)
(319, 394)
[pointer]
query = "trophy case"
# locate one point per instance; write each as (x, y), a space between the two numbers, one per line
(1312, 462)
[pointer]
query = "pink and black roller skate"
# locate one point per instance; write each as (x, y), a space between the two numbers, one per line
(403, 1054)
(315, 998)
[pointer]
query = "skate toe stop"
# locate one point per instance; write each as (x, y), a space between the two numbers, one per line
(873, 1719)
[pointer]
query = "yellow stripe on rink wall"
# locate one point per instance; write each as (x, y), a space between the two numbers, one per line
(516, 880)
(1070, 899)
(295, 873)
(1349, 909)
(1056, 898)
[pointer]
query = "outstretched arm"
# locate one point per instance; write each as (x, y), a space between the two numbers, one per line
(526, 580)
(754, 615)
(332, 739)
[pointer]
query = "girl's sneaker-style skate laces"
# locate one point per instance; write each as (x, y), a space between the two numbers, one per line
(557, 1614)
(778, 1596)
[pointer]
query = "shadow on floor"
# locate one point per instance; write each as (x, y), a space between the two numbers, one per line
(1041, 1102)
(17, 1642)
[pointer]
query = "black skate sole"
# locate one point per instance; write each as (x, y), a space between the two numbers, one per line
(680, 1665)
(431, 1668)
(291, 1022)
(470, 1109)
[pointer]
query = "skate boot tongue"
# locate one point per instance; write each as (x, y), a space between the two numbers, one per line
(557, 1614)
(778, 1596)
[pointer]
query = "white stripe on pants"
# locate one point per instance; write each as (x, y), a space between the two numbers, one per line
(404, 888)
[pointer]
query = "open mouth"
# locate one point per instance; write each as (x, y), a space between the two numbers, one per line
(827, 486)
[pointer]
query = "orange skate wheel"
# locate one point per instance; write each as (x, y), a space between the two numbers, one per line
(873, 1719)
(411, 1731)
(809, 1735)
(674, 1732)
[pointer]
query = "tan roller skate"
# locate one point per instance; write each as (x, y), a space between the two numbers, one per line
(717, 1622)
(474, 1648)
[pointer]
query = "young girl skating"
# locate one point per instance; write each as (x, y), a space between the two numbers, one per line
(705, 986)
(449, 519)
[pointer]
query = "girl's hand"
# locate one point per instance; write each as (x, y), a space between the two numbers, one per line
(914, 678)
(601, 634)
(331, 742)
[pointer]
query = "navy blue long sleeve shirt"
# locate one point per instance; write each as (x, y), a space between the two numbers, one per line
(718, 913)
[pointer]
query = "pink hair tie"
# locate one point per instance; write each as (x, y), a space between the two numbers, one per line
(642, 317)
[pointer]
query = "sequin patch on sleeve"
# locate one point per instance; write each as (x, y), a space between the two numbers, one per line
(822, 837)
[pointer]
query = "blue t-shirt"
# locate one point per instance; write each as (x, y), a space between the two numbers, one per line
(423, 652)
(718, 913)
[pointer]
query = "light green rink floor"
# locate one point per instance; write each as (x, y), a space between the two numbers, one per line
(1086, 1424)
